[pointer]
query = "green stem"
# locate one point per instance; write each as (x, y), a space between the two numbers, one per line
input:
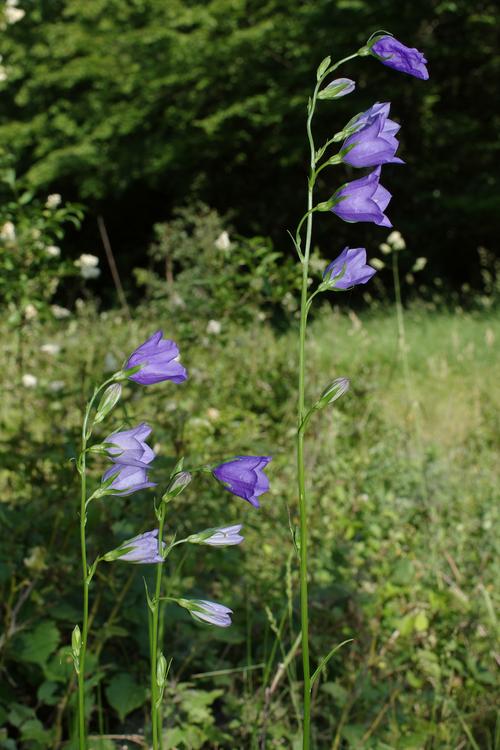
(304, 607)
(82, 466)
(85, 625)
(304, 307)
(156, 720)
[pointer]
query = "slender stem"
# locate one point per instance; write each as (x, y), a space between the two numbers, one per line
(82, 465)
(304, 308)
(304, 607)
(85, 625)
(156, 721)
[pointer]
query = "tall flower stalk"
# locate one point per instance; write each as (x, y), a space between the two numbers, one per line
(368, 141)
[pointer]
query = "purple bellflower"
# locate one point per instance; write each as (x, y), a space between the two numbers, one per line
(159, 360)
(141, 549)
(224, 536)
(130, 447)
(396, 55)
(127, 479)
(205, 611)
(349, 269)
(374, 141)
(244, 477)
(363, 200)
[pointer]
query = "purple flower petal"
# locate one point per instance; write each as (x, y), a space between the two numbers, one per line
(396, 55)
(351, 267)
(158, 358)
(244, 477)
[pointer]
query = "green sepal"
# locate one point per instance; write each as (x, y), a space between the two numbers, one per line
(323, 67)
(108, 401)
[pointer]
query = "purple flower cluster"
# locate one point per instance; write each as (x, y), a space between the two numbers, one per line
(369, 141)
(131, 456)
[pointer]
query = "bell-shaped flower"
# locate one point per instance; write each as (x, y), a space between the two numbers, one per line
(130, 447)
(396, 55)
(374, 141)
(158, 359)
(363, 200)
(223, 536)
(127, 479)
(348, 270)
(205, 611)
(244, 477)
(141, 549)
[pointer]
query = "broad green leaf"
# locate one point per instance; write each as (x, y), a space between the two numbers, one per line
(124, 694)
(39, 644)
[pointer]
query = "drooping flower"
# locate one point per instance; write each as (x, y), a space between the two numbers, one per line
(349, 269)
(141, 549)
(244, 477)
(396, 55)
(374, 141)
(205, 611)
(127, 479)
(129, 446)
(159, 360)
(223, 536)
(363, 200)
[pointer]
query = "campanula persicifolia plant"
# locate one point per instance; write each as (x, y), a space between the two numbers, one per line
(368, 141)
(132, 458)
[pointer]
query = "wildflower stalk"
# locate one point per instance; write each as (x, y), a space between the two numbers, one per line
(86, 572)
(304, 253)
(156, 713)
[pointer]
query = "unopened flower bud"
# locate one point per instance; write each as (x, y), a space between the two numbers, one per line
(335, 390)
(108, 401)
(76, 642)
(177, 484)
(337, 88)
(161, 671)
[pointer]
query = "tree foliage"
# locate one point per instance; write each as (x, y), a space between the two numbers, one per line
(141, 103)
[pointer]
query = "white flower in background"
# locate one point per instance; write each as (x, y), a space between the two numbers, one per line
(30, 312)
(29, 381)
(214, 327)
(223, 242)
(213, 414)
(60, 312)
(53, 251)
(8, 231)
(88, 265)
(419, 264)
(3, 73)
(56, 385)
(385, 248)
(50, 348)
(53, 200)
(377, 263)
(395, 239)
(12, 13)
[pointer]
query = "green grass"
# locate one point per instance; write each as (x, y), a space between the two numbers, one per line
(404, 522)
